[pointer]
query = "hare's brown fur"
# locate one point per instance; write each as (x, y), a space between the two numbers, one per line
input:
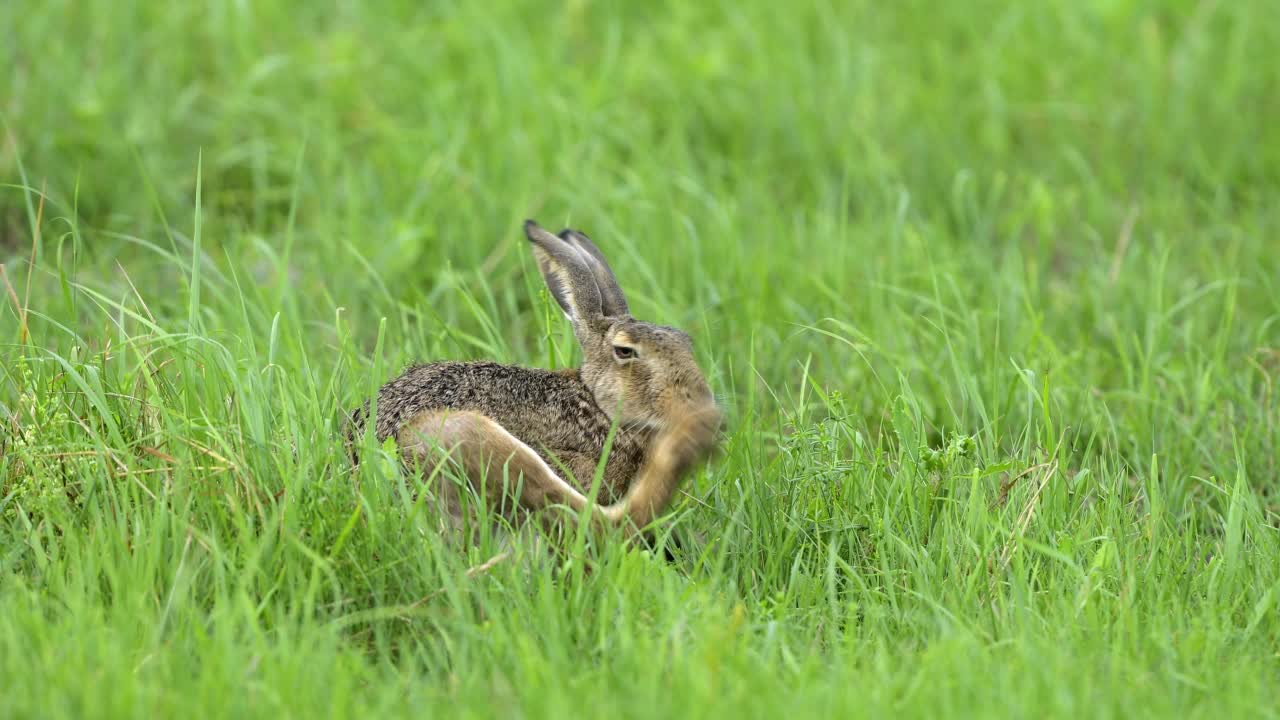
(546, 431)
(553, 413)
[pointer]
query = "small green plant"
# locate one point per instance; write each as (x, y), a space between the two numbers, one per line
(945, 458)
(36, 471)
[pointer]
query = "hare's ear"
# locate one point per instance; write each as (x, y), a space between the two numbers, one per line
(613, 302)
(568, 278)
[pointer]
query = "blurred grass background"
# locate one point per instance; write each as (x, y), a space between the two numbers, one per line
(990, 291)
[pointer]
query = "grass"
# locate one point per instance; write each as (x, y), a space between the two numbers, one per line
(990, 290)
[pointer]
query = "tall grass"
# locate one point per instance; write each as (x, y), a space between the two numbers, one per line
(990, 292)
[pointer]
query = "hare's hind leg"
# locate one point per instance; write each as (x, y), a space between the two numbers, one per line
(494, 461)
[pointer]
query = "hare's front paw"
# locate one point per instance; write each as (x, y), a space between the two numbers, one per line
(695, 435)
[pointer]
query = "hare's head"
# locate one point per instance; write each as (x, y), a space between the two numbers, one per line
(642, 374)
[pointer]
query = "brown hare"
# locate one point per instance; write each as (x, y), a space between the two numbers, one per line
(527, 439)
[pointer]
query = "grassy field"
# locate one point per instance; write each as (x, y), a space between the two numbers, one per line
(991, 292)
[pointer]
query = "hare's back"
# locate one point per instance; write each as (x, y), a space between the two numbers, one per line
(541, 407)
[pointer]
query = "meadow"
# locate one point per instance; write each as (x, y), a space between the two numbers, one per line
(990, 293)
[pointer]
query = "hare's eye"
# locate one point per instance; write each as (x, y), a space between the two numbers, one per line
(624, 352)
